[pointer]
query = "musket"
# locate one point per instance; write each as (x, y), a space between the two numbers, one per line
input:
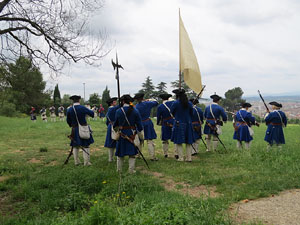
(137, 148)
(261, 97)
(215, 133)
(71, 151)
(220, 141)
(199, 94)
(70, 154)
(116, 67)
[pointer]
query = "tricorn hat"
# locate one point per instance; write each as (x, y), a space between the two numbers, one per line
(215, 97)
(126, 98)
(165, 96)
(178, 91)
(194, 101)
(246, 104)
(139, 96)
(276, 104)
(75, 97)
(109, 101)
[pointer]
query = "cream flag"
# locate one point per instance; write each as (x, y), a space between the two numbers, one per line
(188, 61)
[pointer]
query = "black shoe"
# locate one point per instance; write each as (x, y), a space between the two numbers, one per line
(166, 156)
(194, 153)
(176, 157)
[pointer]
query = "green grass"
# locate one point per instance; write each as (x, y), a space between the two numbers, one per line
(37, 189)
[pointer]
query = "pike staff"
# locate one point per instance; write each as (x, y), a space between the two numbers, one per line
(116, 67)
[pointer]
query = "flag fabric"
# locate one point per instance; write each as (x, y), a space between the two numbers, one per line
(188, 60)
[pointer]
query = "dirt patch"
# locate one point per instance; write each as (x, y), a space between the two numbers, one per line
(4, 178)
(282, 209)
(34, 160)
(184, 188)
(52, 163)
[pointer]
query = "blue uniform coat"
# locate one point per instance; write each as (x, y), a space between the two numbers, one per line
(218, 112)
(124, 147)
(241, 132)
(81, 111)
(182, 131)
(274, 133)
(110, 119)
(144, 109)
(197, 120)
(165, 119)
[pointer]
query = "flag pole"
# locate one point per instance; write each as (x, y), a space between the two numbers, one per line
(179, 53)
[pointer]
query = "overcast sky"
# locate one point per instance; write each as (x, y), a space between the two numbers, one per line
(252, 44)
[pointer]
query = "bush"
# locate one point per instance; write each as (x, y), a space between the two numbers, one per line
(8, 109)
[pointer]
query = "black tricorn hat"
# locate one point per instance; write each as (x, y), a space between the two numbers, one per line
(139, 96)
(109, 101)
(276, 104)
(75, 97)
(165, 96)
(178, 91)
(194, 101)
(246, 104)
(215, 97)
(126, 98)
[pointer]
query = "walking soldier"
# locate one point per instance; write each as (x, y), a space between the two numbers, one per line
(76, 115)
(95, 110)
(61, 113)
(52, 114)
(182, 131)
(212, 128)
(44, 114)
(166, 120)
(129, 122)
(101, 112)
(275, 120)
(144, 108)
(197, 121)
(110, 119)
(32, 114)
(243, 120)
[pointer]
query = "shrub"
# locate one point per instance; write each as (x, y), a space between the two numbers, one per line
(8, 109)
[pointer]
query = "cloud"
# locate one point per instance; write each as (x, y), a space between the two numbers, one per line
(248, 44)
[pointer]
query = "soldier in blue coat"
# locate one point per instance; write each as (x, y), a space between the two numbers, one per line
(275, 120)
(166, 120)
(129, 123)
(78, 113)
(212, 128)
(182, 131)
(243, 120)
(110, 119)
(144, 107)
(197, 121)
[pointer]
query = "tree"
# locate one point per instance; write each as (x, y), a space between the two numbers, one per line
(51, 32)
(23, 85)
(148, 88)
(233, 99)
(189, 92)
(105, 97)
(161, 89)
(94, 99)
(56, 96)
(66, 101)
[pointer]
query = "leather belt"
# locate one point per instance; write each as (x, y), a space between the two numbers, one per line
(127, 127)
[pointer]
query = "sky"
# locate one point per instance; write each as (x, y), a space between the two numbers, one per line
(252, 44)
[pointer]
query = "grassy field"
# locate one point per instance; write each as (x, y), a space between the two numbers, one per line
(36, 189)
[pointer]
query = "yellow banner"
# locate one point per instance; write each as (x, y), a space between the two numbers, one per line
(188, 60)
